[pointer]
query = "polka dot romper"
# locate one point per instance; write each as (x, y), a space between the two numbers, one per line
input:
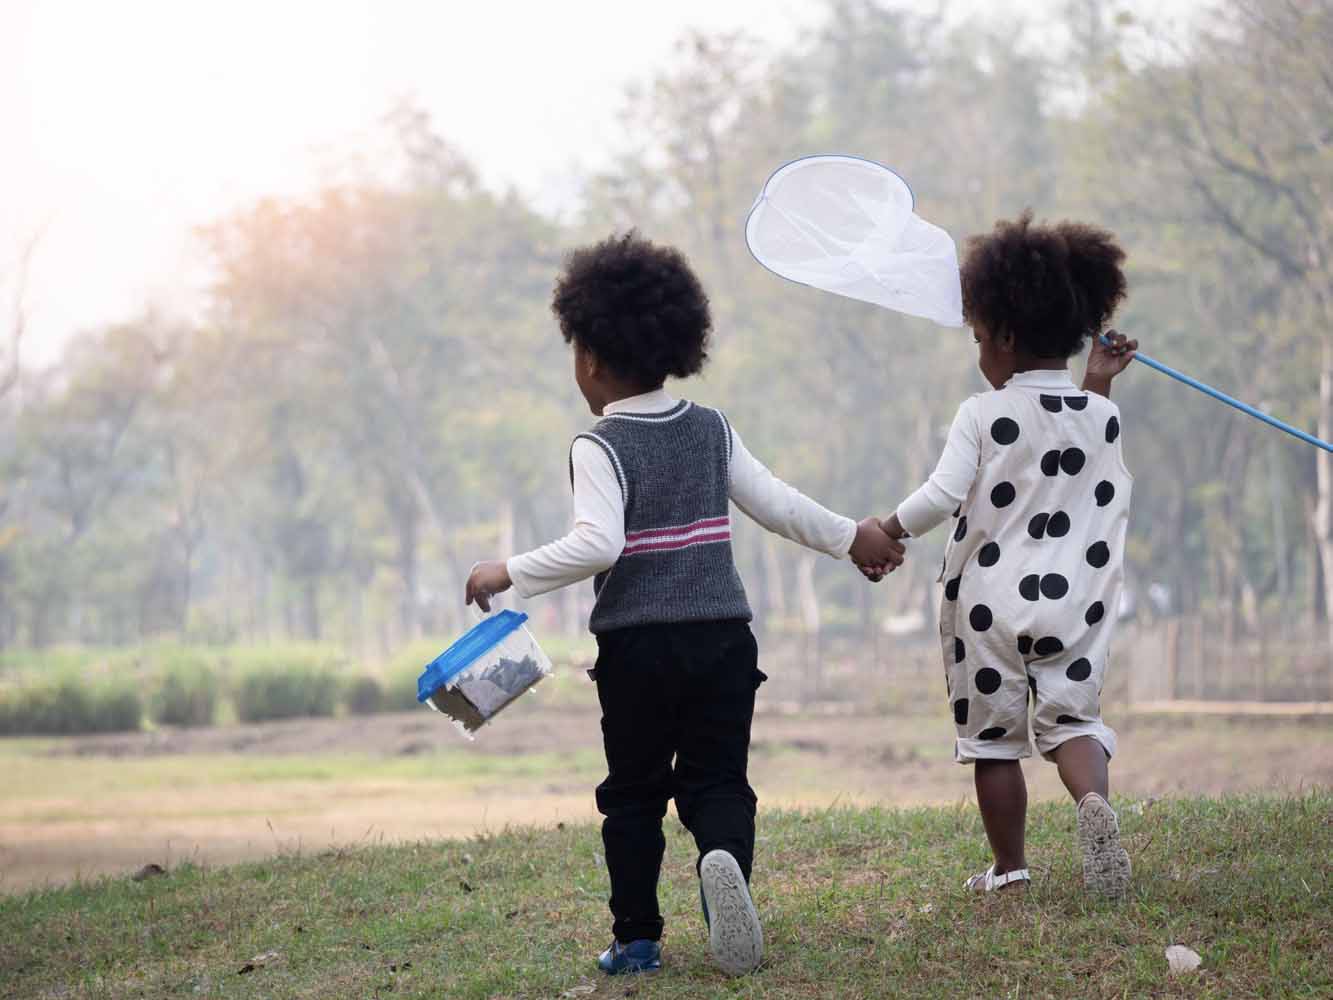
(1034, 476)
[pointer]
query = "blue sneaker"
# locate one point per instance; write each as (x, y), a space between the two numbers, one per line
(735, 936)
(627, 959)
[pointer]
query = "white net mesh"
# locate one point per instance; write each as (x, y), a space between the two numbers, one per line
(846, 225)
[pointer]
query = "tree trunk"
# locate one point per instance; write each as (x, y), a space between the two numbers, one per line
(406, 521)
(310, 608)
(775, 591)
(809, 598)
(1322, 517)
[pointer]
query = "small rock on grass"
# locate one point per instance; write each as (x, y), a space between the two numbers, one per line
(1182, 959)
(148, 871)
(259, 961)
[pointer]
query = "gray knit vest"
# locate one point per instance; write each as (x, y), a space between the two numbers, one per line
(677, 565)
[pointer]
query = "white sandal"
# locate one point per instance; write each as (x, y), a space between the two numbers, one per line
(988, 881)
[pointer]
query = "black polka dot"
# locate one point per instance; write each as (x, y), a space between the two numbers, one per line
(1112, 430)
(1032, 686)
(957, 510)
(993, 733)
(1079, 670)
(1003, 495)
(1037, 526)
(1025, 644)
(960, 531)
(1076, 403)
(951, 588)
(1058, 526)
(1054, 586)
(959, 650)
(989, 554)
(981, 618)
(1071, 460)
(1029, 588)
(1051, 403)
(1050, 463)
(1099, 555)
(1048, 646)
(960, 711)
(1004, 431)
(988, 680)
(1095, 612)
(1105, 492)
(1064, 720)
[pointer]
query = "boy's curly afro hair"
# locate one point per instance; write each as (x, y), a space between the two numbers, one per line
(637, 307)
(1051, 286)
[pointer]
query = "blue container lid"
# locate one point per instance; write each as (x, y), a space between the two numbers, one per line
(475, 642)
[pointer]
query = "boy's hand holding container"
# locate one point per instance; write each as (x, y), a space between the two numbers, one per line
(485, 581)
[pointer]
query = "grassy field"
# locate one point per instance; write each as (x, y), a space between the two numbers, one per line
(108, 804)
(857, 903)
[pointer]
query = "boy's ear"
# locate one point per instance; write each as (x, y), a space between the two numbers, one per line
(1004, 340)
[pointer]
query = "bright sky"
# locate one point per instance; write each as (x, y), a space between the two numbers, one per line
(128, 123)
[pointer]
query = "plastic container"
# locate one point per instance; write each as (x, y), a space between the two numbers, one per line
(493, 663)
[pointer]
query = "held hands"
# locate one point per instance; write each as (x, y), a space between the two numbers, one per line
(874, 551)
(1106, 361)
(485, 581)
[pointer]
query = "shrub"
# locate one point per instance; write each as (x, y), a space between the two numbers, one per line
(66, 707)
(364, 696)
(278, 693)
(402, 671)
(186, 697)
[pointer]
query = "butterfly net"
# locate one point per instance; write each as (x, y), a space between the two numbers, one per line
(847, 226)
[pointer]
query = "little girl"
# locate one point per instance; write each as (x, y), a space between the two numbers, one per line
(1034, 478)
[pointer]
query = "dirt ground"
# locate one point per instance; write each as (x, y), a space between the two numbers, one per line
(110, 804)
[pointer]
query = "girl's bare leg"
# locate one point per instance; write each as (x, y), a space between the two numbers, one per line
(1082, 764)
(1002, 795)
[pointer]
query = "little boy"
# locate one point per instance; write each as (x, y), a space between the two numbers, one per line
(677, 665)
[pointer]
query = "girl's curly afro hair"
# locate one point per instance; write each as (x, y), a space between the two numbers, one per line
(636, 306)
(1051, 286)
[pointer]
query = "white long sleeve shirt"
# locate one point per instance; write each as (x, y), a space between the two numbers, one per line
(598, 536)
(948, 486)
(950, 483)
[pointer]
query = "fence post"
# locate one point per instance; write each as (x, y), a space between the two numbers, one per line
(1172, 656)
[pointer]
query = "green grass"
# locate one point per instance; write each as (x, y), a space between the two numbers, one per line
(857, 903)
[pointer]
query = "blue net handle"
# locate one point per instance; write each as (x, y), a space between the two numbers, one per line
(1222, 397)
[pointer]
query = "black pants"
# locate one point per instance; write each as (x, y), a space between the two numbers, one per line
(684, 692)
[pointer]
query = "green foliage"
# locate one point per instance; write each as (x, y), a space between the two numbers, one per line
(364, 696)
(186, 697)
(285, 693)
(857, 903)
(65, 706)
(381, 396)
(403, 670)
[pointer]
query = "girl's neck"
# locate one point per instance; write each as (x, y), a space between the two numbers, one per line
(1032, 363)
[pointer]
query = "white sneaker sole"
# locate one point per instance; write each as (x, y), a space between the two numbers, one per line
(735, 936)
(1106, 865)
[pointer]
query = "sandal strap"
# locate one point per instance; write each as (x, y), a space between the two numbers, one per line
(1000, 881)
(988, 881)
